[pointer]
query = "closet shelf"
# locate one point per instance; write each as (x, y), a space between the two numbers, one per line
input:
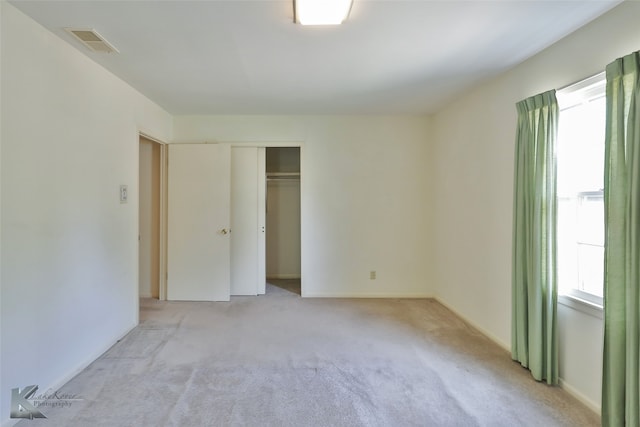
(277, 176)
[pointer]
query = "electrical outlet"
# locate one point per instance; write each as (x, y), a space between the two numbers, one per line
(124, 194)
(372, 275)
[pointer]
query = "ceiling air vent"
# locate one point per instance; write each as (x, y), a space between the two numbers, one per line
(92, 40)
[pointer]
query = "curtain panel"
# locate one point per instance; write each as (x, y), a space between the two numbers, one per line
(534, 277)
(621, 361)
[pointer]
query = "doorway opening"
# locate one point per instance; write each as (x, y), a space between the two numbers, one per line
(151, 219)
(283, 261)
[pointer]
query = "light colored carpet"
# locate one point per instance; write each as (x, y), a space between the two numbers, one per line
(280, 360)
(291, 285)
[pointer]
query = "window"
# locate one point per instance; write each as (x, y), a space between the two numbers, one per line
(580, 169)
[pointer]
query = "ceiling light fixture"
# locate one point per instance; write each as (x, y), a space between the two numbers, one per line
(321, 12)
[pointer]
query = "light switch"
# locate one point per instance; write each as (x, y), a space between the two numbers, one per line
(124, 194)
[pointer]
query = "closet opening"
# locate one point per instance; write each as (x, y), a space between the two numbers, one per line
(151, 245)
(283, 268)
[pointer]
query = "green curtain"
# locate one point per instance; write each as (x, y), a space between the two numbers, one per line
(620, 382)
(534, 277)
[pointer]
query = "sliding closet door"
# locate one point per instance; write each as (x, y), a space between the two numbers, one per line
(247, 225)
(198, 222)
(262, 220)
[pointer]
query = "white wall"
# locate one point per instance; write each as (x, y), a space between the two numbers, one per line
(366, 199)
(377, 193)
(69, 260)
(474, 141)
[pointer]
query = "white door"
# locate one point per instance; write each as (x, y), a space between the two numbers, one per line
(198, 222)
(262, 220)
(247, 256)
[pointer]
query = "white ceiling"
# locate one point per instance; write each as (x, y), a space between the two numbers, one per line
(247, 57)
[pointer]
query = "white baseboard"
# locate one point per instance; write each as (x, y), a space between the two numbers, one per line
(89, 360)
(564, 385)
(595, 407)
(484, 332)
(57, 385)
(366, 295)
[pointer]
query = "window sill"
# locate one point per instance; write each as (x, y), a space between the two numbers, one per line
(581, 305)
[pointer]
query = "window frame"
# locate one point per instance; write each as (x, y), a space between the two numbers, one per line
(571, 96)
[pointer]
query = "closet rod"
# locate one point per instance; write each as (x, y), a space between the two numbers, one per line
(284, 178)
(283, 173)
